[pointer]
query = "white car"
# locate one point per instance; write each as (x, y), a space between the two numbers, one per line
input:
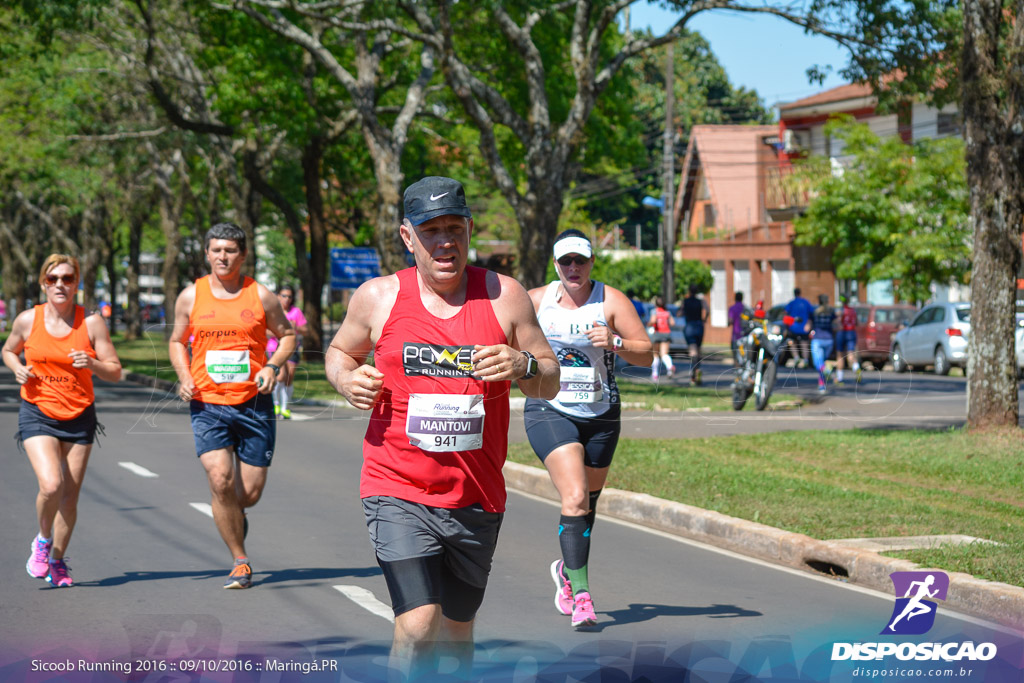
(937, 336)
(1018, 338)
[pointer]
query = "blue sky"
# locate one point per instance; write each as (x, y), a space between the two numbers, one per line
(758, 51)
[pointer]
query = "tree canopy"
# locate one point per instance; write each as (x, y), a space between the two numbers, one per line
(894, 211)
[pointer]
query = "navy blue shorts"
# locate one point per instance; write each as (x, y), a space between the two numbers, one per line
(249, 428)
(34, 422)
(547, 429)
(694, 333)
(846, 341)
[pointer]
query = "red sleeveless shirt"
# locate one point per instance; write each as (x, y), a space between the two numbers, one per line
(427, 357)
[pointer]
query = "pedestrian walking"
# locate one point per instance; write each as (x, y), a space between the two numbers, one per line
(821, 326)
(846, 341)
(447, 340)
(660, 330)
(695, 314)
(735, 319)
(574, 434)
(284, 389)
(228, 383)
(800, 309)
(64, 347)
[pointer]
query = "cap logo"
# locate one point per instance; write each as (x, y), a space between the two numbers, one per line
(435, 197)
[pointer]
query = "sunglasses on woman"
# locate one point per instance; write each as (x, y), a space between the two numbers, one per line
(577, 260)
(66, 279)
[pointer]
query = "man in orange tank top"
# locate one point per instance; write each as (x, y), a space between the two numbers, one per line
(225, 317)
(447, 341)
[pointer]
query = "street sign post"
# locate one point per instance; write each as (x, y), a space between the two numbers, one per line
(352, 267)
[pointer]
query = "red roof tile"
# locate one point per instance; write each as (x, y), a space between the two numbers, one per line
(728, 156)
(838, 94)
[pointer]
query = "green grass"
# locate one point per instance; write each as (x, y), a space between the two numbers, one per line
(848, 484)
(148, 355)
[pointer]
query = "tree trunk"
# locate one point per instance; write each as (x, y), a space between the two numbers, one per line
(538, 221)
(169, 270)
(313, 283)
(389, 177)
(112, 278)
(133, 324)
(994, 126)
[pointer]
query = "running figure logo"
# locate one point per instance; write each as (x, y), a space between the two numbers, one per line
(914, 613)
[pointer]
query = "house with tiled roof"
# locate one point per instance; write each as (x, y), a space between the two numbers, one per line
(723, 221)
(733, 208)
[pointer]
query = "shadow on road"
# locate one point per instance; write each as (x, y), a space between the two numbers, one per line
(259, 578)
(639, 611)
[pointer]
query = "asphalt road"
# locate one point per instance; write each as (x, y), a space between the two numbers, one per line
(149, 567)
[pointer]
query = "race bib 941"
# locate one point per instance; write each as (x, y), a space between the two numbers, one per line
(444, 422)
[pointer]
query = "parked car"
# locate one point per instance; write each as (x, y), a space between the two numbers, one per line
(937, 336)
(875, 327)
(1018, 338)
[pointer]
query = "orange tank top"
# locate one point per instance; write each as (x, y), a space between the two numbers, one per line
(229, 341)
(58, 389)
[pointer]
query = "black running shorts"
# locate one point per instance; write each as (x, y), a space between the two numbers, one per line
(433, 556)
(547, 429)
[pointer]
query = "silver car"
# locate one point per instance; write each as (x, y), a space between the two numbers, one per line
(937, 336)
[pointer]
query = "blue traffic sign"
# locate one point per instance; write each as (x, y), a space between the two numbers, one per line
(353, 266)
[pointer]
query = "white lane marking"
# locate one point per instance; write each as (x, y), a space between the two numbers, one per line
(299, 417)
(138, 469)
(789, 570)
(367, 601)
(205, 508)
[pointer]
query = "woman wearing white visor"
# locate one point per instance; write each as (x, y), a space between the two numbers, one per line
(587, 324)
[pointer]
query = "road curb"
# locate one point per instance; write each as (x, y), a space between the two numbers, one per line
(998, 602)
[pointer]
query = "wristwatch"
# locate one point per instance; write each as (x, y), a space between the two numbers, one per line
(616, 342)
(531, 366)
(277, 368)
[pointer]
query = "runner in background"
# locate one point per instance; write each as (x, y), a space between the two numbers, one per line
(285, 389)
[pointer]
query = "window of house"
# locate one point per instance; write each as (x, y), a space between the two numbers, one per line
(709, 215)
(948, 123)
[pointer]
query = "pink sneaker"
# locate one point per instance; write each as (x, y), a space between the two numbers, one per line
(563, 596)
(38, 564)
(60, 574)
(583, 616)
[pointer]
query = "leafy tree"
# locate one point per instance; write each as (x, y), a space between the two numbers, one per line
(532, 87)
(973, 53)
(642, 275)
(897, 211)
(703, 95)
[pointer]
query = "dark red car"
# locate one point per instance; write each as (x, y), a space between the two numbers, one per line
(875, 327)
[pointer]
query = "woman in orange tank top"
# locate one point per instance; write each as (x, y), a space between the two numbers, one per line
(63, 348)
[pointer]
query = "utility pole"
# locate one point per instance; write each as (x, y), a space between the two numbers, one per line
(668, 240)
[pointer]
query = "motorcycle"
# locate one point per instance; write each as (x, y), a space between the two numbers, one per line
(758, 350)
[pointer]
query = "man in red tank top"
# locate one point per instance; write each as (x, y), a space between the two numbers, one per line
(447, 341)
(225, 317)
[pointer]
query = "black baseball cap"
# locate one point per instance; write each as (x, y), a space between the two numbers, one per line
(435, 196)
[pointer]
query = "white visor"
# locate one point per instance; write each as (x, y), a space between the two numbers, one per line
(572, 245)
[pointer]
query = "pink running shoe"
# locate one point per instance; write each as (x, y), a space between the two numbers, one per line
(563, 596)
(38, 564)
(60, 574)
(583, 616)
